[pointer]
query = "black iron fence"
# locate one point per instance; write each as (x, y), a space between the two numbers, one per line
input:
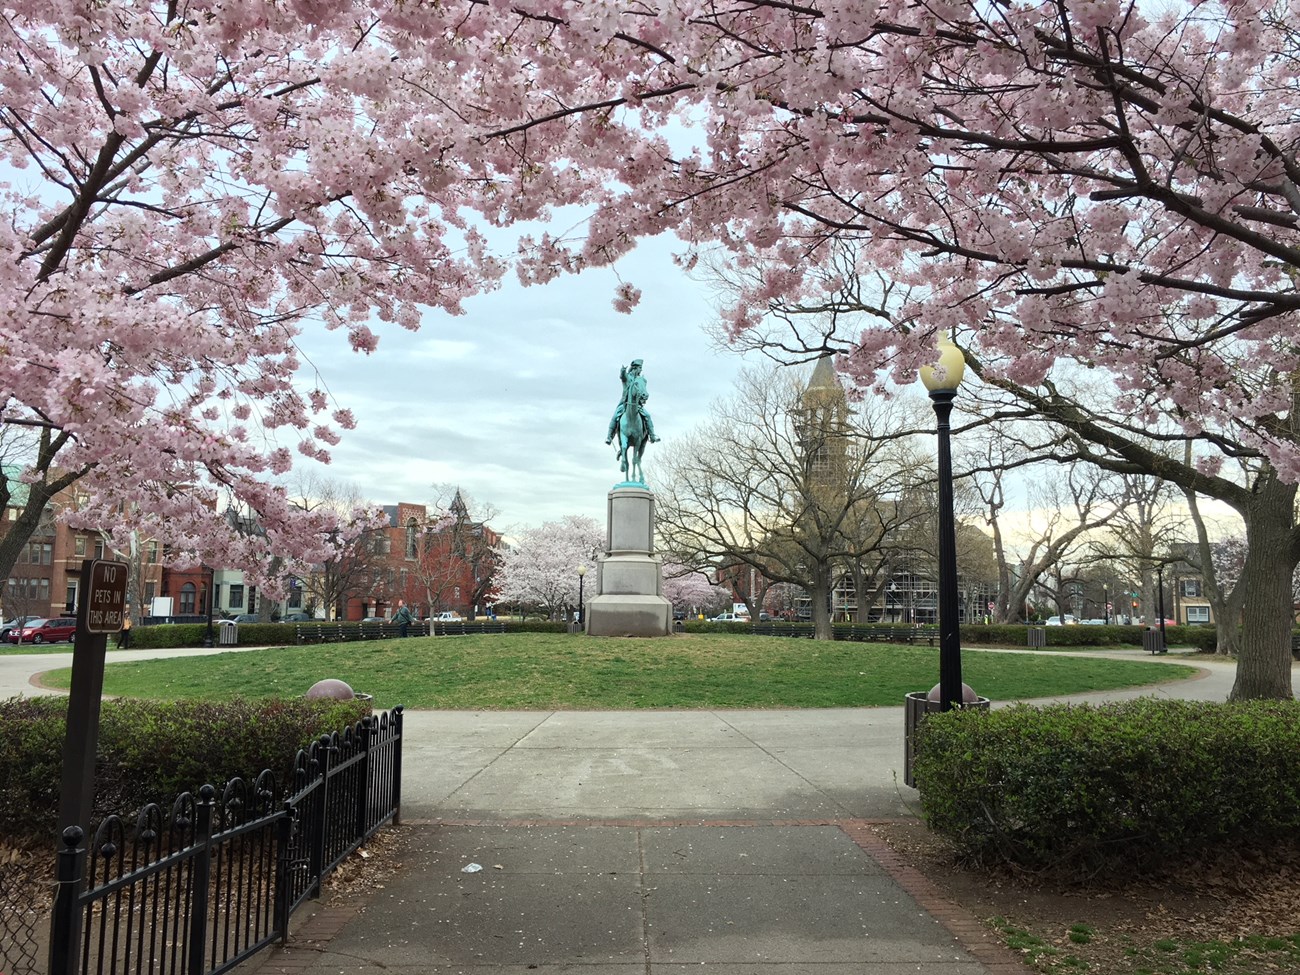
(198, 889)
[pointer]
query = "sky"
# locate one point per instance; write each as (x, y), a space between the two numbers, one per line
(511, 401)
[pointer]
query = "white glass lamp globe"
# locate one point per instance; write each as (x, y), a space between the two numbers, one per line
(947, 369)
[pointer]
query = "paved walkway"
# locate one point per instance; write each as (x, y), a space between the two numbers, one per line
(644, 842)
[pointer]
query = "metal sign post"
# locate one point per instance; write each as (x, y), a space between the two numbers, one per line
(103, 601)
(99, 613)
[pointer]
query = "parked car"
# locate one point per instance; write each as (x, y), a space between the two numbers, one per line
(449, 616)
(1092, 622)
(45, 630)
(297, 618)
(1066, 620)
(245, 618)
(679, 614)
(8, 625)
(729, 618)
(374, 619)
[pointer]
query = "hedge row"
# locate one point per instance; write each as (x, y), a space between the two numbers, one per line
(1082, 791)
(152, 751)
(1000, 635)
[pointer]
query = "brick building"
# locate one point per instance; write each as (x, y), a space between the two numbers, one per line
(46, 579)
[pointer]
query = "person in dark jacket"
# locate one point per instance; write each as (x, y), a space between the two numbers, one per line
(402, 618)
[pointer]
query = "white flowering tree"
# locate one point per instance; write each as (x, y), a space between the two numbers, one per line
(540, 568)
(690, 590)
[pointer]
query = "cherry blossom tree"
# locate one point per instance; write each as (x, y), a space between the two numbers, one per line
(541, 567)
(691, 590)
(1094, 181)
(188, 185)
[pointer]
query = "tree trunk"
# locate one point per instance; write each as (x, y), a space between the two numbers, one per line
(821, 616)
(1264, 660)
(1227, 623)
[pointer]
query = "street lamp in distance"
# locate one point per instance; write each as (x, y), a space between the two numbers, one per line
(208, 639)
(582, 615)
(941, 380)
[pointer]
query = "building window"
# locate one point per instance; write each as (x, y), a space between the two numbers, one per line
(236, 596)
(44, 591)
(99, 548)
(1198, 614)
(79, 545)
(150, 592)
(187, 599)
(412, 539)
(70, 597)
(1190, 587)
(153, 553)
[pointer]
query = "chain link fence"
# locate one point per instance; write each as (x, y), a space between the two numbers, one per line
(24, 921)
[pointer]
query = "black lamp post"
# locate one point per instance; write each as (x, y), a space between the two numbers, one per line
(582, 619)
(942, 380)
(1105, 604)
(1160, 605)
(208, 638)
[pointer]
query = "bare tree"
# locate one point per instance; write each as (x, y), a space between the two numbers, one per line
(789, 479)
(457, 552)
(1063, 511)
(359, 544)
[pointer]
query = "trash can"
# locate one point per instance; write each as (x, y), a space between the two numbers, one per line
(1037, 636)
(915, 707)
(1152, 642)
(228, 636)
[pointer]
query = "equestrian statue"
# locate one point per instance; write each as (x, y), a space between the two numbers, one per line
(632, 423)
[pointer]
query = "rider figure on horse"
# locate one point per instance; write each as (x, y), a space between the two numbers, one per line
(634, 390)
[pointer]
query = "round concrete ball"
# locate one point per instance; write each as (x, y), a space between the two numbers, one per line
(330, 688)
(968, 696)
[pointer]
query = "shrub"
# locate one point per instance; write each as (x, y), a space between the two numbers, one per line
(537, 626)
(1134, 785)
(151, 751)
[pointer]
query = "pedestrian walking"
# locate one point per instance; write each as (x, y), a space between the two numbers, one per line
(124, 634)
(402, 617)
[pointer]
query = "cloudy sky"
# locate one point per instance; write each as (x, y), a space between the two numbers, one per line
(511, 401)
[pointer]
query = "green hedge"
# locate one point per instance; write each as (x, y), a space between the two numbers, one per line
(537, 626)
(166, 635)
(152, 751)
(1082, 791)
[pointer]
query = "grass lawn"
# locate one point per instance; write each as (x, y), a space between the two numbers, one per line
(537, 671)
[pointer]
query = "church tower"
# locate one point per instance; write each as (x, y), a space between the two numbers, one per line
(821, 422)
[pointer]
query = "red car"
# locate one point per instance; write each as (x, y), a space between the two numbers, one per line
(45, 631)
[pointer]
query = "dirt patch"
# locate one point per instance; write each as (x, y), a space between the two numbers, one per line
(1239, 915)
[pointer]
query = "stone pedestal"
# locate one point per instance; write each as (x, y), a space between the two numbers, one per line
(629, 598)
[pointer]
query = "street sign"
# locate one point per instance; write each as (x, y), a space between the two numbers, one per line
(103, 597)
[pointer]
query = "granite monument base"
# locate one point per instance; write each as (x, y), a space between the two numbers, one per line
(629, 598)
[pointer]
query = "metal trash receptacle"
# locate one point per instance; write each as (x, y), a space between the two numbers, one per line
(1037, 636)
(916, 706)
(228, 635)
(1152, 641)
